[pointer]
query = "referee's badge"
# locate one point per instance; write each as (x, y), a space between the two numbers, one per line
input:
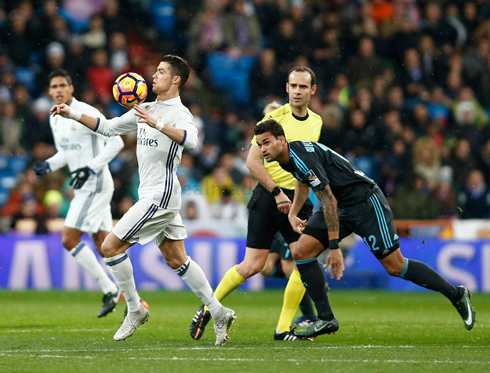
(312, 178)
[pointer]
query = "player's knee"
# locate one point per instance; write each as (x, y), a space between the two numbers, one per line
(174, 263)
(299, 252)
(248, 270)
(107, 250)
(68, 241)
(394, 269)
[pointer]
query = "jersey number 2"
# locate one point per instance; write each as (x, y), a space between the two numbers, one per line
(372, 242)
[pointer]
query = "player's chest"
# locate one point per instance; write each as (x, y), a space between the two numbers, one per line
(151, 139)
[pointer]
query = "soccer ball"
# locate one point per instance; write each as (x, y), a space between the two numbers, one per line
(130, 89)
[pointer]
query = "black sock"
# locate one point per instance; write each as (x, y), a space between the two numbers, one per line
(306, 307)
(314, 281)
(421, 274)
(277, 271)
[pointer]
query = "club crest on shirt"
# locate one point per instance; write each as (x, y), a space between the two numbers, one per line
(312, 178)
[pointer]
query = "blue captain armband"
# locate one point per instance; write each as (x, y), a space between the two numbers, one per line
(185, 136)
(97, 126)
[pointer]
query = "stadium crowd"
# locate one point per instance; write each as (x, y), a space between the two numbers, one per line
(403, 90)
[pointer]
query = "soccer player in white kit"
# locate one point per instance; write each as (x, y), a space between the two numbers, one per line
(164, 128)
(86, 154)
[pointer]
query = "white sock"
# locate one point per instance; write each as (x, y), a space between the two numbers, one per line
(195, 278)
(122, 270)
(87, 259)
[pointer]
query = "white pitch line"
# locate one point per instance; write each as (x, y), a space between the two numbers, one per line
(40, 330)
(302, 361)
(224, 348)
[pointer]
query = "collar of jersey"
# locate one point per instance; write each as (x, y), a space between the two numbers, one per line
(172, 101)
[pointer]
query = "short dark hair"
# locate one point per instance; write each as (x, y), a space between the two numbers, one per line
(62, 73)
(269, 125)
(178, 67)
(304, 69)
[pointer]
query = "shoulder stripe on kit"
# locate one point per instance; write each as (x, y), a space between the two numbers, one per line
(185, 137)
(97, 126)
(300, 163)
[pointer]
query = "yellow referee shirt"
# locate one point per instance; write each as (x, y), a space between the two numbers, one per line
(295, 130)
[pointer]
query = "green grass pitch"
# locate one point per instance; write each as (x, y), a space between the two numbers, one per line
(379, 332)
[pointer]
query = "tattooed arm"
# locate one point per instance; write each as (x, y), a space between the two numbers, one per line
(331, 214)
(329, 204)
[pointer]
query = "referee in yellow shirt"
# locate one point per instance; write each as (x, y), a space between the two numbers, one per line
(270, 204)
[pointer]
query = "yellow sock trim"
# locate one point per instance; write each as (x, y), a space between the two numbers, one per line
(293, 294)
(230, 282)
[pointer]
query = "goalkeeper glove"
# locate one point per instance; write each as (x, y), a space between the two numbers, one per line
(41, 168)
(80, 176)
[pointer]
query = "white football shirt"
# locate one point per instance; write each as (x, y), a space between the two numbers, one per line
(77, 146)
(158, 156)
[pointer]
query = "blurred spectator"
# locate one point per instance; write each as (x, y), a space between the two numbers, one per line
(461, 162)
(118, 53)
(100, 75)
(28, 219)
(213, 185)
(426, 160)
(228, 208)
(206, 34)
(12, 128)
(266, 82)
(474, 199)
(412, 201)
(96, 36)
(18, 39)
(366, 64)
(286, 43)
(241, 29)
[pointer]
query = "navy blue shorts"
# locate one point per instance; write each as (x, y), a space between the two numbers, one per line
(371, 219)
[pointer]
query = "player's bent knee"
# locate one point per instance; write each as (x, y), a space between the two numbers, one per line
(247, 270)
(174, 263)
(68, 241)
(110, 247)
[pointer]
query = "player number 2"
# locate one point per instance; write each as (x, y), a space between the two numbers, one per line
(372, 242)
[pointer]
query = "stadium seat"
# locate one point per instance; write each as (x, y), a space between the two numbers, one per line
(17, 164)
(3, 162)
(4, 196)
(26, 76)
(232, 75)
(163, 15)
(8, 180)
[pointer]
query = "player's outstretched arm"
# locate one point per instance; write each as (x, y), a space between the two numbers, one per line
(254, 164)
(65, 111)
(330, 212)
(301, 193)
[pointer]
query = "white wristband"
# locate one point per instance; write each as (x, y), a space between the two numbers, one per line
(159, 126)
(74, 114)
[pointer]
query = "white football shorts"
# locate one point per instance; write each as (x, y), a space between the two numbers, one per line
(146, 221)
(90, 212)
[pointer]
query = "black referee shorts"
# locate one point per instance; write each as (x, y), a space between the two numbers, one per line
(371, 219)
(264, 219)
